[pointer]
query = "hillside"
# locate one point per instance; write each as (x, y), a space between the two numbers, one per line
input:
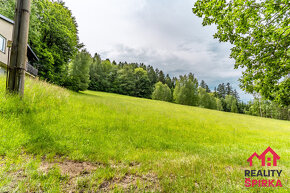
(56, 140)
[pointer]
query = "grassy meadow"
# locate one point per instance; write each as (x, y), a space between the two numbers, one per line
(54, 140)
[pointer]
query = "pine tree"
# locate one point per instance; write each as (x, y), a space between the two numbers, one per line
(205, 86)
(94, 72)
(202, 84)
(168, 81)
(161, 77)
(236, 95)
(228, 89)
(221, 91)
(152, 75)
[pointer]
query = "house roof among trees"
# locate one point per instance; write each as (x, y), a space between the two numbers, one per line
(30, 53)
(6, 19)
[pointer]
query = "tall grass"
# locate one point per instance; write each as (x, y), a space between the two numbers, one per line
(187, 148)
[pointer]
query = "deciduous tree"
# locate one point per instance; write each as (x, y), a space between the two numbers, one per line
(259, 32)
(186, 90)
(80, 76)
(162, 92)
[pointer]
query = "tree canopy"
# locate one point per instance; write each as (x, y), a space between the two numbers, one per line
(259, 32)
(186, 90)
(80, 71)
(162, 92)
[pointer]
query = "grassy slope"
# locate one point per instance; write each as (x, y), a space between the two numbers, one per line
(184, 148)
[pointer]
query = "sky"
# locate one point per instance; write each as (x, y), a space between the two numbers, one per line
(162, 33)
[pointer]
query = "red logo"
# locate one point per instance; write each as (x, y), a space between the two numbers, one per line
(268, 174)
(263, 157)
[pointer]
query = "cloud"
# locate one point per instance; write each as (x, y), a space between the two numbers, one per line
(164, 34)
(178, 61)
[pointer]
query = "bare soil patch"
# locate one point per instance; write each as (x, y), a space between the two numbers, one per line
(128, 183)
(70, 168)
(132, 182)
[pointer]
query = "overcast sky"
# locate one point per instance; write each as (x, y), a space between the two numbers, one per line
(162, 33)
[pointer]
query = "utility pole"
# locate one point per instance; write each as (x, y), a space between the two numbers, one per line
(17, 65)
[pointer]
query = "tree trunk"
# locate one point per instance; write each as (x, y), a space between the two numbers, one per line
(17, 64)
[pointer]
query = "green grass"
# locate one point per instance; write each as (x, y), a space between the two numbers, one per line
(134, 144)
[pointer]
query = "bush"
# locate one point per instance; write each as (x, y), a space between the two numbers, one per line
(162, 92)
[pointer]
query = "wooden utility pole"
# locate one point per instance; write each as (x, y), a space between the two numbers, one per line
(17, 66)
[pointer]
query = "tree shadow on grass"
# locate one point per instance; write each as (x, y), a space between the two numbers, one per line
(89, 94)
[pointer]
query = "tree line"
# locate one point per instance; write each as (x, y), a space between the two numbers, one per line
(144, 81)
